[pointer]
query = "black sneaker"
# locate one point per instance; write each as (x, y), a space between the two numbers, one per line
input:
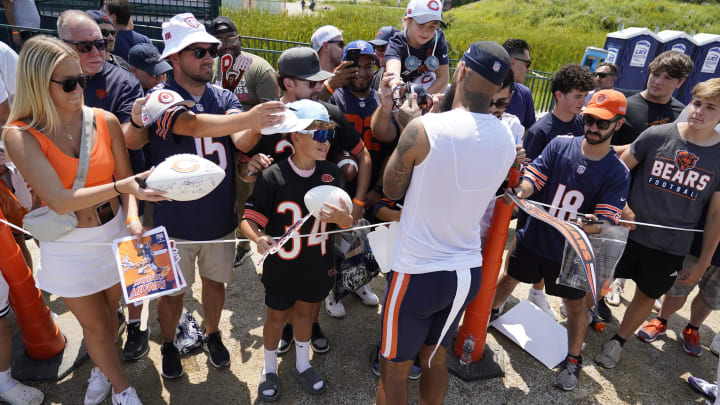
(241, 254)
(603, 310)
(136, 344)
(121, 320)
(286, 341)
(171, 365)
(219, 355)
(318, 340)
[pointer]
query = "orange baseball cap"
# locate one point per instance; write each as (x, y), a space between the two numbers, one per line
(606, 104)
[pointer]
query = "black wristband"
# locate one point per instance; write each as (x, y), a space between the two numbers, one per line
(115, 186)
(135, 125)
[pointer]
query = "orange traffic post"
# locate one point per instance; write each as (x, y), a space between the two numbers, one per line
(40, 334)
(477, 313)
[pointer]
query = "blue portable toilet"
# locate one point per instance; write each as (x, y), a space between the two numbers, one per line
(632, 50)
(707, 61)
(671, 40)
(593, 57)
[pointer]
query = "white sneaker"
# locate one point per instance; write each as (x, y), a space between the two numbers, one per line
(336, 309)
(21, 394)
(616, 289)
(98, 387)
(538, 298)
(658, 304)
(715, 345)
(367, 296)
(127, 397)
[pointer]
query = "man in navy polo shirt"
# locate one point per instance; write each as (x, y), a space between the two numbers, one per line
(521, 103)
(120, 13)
(213, 129)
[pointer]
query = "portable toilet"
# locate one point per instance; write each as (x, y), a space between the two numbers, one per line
(671, 40)
(707, 59)
(593, 57)
(632, 50)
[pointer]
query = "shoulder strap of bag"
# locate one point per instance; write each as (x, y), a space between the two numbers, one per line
(85, 146)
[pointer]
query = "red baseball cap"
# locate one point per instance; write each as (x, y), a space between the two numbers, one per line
(606, 104)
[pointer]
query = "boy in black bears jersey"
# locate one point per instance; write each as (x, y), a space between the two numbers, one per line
(299, 276)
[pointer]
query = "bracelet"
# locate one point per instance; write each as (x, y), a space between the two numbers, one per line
(131, 218)
(16, 32)
(115, 186)
(358, 202)
(345, 227)
(328, 88)
(135, 125)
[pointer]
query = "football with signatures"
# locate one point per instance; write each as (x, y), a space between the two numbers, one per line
(185, 177)
(316, 198)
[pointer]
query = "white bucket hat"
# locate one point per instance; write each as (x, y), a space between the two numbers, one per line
(298, 116)
(158, 102)
(182, 31)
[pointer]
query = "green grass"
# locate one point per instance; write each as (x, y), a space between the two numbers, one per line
(558, 31)
(356, 22)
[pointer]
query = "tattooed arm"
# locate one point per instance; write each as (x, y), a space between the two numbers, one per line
(412, 148)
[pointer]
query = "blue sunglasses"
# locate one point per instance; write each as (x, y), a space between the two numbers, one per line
(321, 135)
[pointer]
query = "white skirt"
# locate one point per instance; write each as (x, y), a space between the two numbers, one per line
(71, 268)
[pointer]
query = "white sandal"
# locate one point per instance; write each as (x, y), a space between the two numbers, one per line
(22, 394)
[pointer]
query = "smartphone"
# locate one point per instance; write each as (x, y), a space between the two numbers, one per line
(104, 212)
(354, 56)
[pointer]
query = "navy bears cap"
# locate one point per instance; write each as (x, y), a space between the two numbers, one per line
(488, 59)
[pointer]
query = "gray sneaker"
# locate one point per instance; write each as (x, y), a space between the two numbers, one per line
(610, 354)
(567, 377)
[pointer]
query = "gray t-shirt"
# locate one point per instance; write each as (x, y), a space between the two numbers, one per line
(673, 182)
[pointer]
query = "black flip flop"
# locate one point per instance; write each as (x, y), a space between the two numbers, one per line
(308, 378)
(268, 381)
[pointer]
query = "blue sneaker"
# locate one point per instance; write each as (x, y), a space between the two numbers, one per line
(704, 387)
(415, 372)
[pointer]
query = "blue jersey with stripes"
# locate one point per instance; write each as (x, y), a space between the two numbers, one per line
(214, 215)
(564, 178)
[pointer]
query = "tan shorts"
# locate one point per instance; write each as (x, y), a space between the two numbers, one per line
(244, 191)
(709, 285)
(214, 260)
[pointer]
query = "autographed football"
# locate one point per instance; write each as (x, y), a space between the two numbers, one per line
(348, 165)
(185, 177)
(316, 197)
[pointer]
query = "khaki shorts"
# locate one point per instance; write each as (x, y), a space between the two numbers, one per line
(214, 260)
(244, 191)
(709, 285)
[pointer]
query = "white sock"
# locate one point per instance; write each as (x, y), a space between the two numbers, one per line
(535, 292)
(270, 361)
(6, 380)
(302, 356)
(121, 393)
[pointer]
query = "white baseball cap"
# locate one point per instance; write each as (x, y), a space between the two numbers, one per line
(158, 102)
(424, 11)
(299, 115)
(324, 34)
(182, 31)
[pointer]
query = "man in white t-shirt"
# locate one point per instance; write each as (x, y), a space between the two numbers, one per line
(436, 270)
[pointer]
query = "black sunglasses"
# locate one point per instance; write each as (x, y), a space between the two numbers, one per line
(87, 46)
(502, 103)
(601, 124)
(380, 48)
(527, 62)
(339, 43)
(105, 33)
(311, 83)
(602, 75)
(69, 84)
(200, 52)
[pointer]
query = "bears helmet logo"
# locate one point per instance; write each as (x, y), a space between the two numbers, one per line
(685, 160)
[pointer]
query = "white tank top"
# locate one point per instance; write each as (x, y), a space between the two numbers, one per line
(470, 155)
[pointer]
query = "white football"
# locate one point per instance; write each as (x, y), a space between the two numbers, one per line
(185, 177)
(316, 197)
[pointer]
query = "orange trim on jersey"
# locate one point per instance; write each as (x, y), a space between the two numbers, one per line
(359, 147)
(538, 173)
(255, 216)
(396, 294)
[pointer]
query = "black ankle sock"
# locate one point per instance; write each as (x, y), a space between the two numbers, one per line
(692, 327)
(619, 339)
(494, 311)
(662, 320)
(575, 359)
